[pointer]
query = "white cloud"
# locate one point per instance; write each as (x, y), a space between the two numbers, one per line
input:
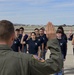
(32, 2)
(64, 4)
(30, 11)
(38, 2)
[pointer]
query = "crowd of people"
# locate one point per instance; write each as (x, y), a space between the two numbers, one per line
(33, 43)
(36, 43)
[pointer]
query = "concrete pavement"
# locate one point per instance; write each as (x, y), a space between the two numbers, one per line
(69, 65)
(69, 62)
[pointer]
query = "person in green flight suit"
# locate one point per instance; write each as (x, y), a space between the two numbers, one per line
(18, 63)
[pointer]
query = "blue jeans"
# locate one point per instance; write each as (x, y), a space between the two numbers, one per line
(43, 54)
(59, 73)
(25, 49)
(62, 71)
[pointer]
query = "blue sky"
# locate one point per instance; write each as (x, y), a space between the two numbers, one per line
(38, 11)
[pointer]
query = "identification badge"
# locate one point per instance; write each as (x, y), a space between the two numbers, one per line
(35, 43)
(38, 39)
